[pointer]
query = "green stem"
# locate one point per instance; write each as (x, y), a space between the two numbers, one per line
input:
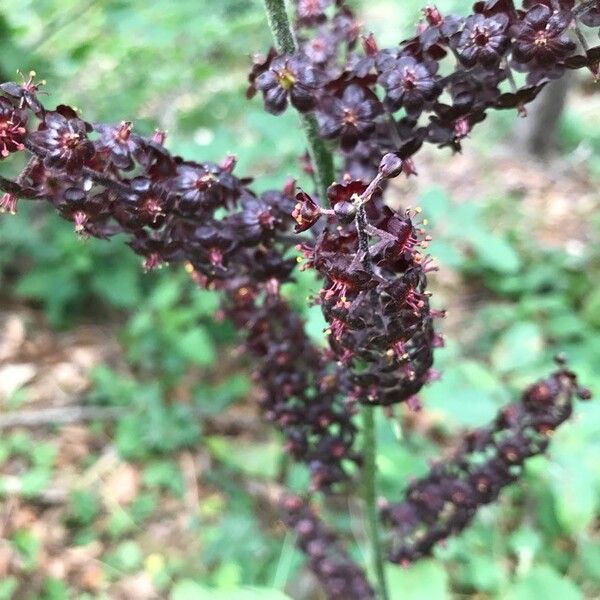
(285, 43)
(322, 161)
(369, 472)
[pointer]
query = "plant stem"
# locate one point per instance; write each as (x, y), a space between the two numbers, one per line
(369, 472)
(322, 161)
(285, 43)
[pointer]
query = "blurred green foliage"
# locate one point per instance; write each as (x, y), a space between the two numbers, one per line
(181, 66)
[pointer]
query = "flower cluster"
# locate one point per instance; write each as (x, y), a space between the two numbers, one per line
(435, 86)
(377, 103)
(445, 501)
(374, 293)
(378, 106)
(317, 424)
(340, 577)
(106, 179)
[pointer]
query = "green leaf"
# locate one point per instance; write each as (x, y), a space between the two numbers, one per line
(543, 582)
(589, 556)
(127, 556)
(252, 458)
(34, 481)
(436, 204)
(28, 545)
(84, 507)
(521, 345)
(316, 325)
(187, 589)
(494, 252)
(591, 308)
(424, 580)
(482, 573)
(54, 589)
(164, 474)
(8, 586)
(575, 494)
(197, 346)
(119, 285)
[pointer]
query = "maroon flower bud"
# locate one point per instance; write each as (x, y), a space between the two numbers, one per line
(433, 16)
(306, 212)
(369, 44)
(159, 137)
(345, 211)
(339, 575)
(390, 166)
(228, 163)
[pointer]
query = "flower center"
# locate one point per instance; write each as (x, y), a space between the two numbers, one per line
(541, 39)
(123, 132)
(266, 219)
(409, 79)
(349, 117)
(480, 36)
(286, 79)
(204, 182)
(71, 140)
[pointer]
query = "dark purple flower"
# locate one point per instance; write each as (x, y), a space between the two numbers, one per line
(289, 76)
(320, 48)
(483, 40)
(351, 117)
(119, 143)
(25, 92)
(8, 203)
(260, 63)
(251, 224)
(409, 84)
(306, 212)
(311, 12)
(12, 128)
(201, 187)
(82, 209)
(590, 15)
(63, 139)
(542, 36)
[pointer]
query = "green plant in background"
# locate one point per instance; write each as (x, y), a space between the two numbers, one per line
(170, 327)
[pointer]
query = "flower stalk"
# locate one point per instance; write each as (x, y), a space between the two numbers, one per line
(322, 161)
(321, 158)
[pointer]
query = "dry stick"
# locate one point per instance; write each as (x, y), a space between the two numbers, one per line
(323, 165)
(65, 415)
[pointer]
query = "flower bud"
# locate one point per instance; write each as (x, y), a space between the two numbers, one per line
(345, 211)
(390, 166)
(306, 212)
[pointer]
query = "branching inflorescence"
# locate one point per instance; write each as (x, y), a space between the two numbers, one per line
(445, 501)
(376, 108)
(108, 180)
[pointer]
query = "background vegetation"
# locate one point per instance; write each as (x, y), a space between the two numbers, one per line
(517, 245)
